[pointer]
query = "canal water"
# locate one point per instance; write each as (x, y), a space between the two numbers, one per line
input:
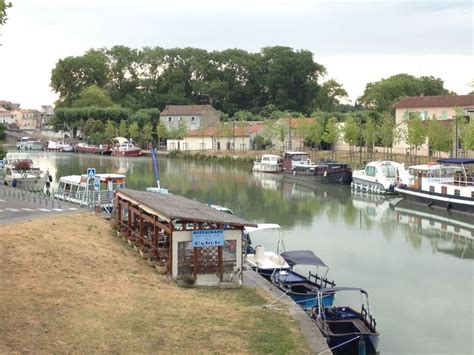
(416, 265)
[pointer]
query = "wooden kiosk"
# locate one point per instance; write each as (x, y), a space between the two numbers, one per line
(190, 239)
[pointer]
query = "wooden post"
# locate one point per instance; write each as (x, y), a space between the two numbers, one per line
(221, 263)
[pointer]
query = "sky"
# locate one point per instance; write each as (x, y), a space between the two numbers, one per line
(357, 41)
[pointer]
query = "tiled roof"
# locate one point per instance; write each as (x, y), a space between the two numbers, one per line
(174, 207)
(435, 101)
(185, 110)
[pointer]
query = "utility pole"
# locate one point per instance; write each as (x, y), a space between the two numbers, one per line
(289, 143)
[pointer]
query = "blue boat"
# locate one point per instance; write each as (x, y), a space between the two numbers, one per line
(303, 290)
(346, 330)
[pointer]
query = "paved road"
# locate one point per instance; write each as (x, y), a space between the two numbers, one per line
(17, 205)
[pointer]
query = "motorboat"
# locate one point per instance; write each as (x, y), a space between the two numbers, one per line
(54, 146)
(29, 143)
(269, 163)
(303, 290)
(125, 148)
(90, 191)
(102, 149)
(260, 260)
(378, 177)
(346, 329)
(19, 171)
(447, 184)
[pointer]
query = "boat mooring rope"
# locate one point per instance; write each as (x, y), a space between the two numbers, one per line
(346, 342)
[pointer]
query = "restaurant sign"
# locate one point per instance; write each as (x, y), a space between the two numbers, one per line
(208, 238)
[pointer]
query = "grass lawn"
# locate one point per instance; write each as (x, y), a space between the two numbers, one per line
(67, 285)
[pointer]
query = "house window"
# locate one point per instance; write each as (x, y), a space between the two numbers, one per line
(192, 119)
(423, 115)
(444, 115)
(432, 189)
(169, 119)
(457, 192)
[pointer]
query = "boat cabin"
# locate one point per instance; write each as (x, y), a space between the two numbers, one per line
(192, 241)
(292, 159)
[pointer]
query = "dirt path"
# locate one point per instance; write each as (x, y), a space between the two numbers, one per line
(68, 285)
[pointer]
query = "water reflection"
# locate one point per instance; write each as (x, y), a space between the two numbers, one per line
(416, 263)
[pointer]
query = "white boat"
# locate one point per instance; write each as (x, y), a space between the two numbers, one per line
(269, 163)
(19, 171)
(262, 261)
(292, 160)
(84, 190)
(29, 143)
(447, 184)
(54, 146)
(378, 177)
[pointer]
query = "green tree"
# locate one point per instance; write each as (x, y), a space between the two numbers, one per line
(110, 129)
(123, 129)
(316, 133)
(161, 132)
(387, 132)
(381, 95)
(134, 131)
(93, 127)
(369, 134)
(467, 135)
(331, 132)
(329, 95)
(282, 130)
(350, 132)
(93, 96)
(147, 133)
(439, 136)
(415, 133)
(3, 11)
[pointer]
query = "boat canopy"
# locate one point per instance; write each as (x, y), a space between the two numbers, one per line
(302, 257)
(456, 161)
(337, 289)
(262, 226)
(120, 140)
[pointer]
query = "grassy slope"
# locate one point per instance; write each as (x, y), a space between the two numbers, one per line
(68, 286)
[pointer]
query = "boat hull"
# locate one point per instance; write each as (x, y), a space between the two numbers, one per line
(341, 176)
(351, 343)
(371, 186)
(265, 168)
(433, 199)
(127, 153)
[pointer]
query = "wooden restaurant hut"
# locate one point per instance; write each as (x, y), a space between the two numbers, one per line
(191, 239)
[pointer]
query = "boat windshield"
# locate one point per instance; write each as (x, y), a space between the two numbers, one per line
(389, 171)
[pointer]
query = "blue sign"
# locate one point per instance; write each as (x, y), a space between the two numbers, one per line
(208, 238)
(90, 172)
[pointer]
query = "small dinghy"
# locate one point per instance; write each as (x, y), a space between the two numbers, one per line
(303, 290)
(345, 329)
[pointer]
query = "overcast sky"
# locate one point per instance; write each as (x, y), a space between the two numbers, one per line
(357, 41)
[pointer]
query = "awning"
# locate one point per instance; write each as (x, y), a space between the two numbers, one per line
(337, 289)
(302, 257)
(262, 226)
(456, 161)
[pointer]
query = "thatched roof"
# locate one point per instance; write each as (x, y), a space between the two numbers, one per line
(173, 207)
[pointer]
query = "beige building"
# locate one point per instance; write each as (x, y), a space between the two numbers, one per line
(429, 107)
(27, 119)
(195, 116)
(236, 139)
(6, 117)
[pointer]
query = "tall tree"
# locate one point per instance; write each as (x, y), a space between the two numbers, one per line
(147, 133)
(110, 129)
(329, 95)
(3, 11)
(415, 134)
(93, 96)
(386, 131)
(381, 95)
(440, 137)
(351, 132)
(161, 132)
(134, 131)
(369, 134)
(331, 132)
(123, 129)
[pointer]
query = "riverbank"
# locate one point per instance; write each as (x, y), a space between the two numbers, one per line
(68, 286)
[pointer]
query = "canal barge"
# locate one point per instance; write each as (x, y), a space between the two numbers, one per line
(125, 148)
(346, 329)
(19, 171)
(102, 149)
(447, 184)
(303, 290)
